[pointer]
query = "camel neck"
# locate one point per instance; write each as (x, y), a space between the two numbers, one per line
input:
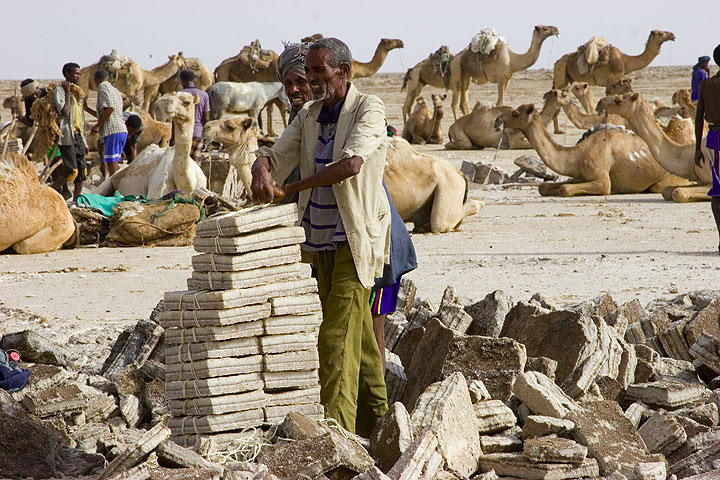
(555, 156)
(522, 61)
(637, 62)
(159, 74)
(183, 132)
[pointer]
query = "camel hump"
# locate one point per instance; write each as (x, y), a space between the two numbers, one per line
(485, 42)
(593, 53)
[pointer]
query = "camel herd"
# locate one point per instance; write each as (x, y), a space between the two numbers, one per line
(426, 189)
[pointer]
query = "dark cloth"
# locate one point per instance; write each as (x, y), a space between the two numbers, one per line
(402, 250)
(73, 157)
(698, 76)
(713, 143)
(29, 101)
(330, 115)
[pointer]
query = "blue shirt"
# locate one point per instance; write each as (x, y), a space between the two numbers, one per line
(698, 76)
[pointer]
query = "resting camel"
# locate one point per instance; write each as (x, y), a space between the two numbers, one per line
(610, 64)
(423, 126)
(157, 171)
(497, 68)
(606, 162)
(34, 218)
(477, 129)
(363, 70)
(426, 190)
(433, 70)
(238, 139)
(676, 158)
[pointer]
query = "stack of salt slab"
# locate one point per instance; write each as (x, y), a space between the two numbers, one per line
(241, 343)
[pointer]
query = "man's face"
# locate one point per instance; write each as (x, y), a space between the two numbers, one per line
(297, 90)
(74, 75)
(324, 80)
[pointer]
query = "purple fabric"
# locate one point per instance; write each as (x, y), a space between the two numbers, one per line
(713, 143)
(698, 76)
(202, 106)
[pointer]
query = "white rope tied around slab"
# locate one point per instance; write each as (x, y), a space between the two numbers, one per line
(194, 425)
(332, 423)
(212, 261)
(245, 448)
(218, 248)
(195, 387)
(210, 280)
(192, 404)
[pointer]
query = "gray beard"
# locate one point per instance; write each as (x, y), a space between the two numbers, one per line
(327, 93)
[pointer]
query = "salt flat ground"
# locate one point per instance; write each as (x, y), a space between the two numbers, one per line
(570, 249)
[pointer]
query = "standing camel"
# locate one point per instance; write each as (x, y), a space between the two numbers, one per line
(363, 70)
(498, 68)
(611, 66)
(204, 78)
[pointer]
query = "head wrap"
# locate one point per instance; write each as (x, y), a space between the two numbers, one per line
(704, 58)
(29, 89)
(292, 60)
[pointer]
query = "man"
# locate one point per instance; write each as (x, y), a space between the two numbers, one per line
(110, 123)
(708, 109)
(384, 294)
(31, 91)
(701, 71)
(73, 146)
(339, 143)
(202, 111)
(134, 125)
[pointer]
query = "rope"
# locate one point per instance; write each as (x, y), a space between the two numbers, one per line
(245, 448)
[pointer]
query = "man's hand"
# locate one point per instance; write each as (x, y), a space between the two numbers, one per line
(66, 85)
(699, 158)
(95, 129)
(262, 186)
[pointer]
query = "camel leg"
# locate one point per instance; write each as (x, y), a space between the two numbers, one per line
(464, 87)
(51, 237)
(596, 187)
(413, 90)
(552, 189)
(556, 124)
(447, 208)
(268, 112)
(502, 86)
(459, 141)
(695, 193)
(671, 181)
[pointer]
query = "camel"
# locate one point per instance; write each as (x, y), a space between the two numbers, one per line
(610, 66)
(135, 81)
(606, 162)
(688, 109)
(157, 171)
(34, 218)
(113, 62)
(433, 70)
(237, 136)
(496, 68)
(232, 98)
(423, 126)
(582, 120)
(20, 130)
(426, 190)
(624, 85)
(204, 78)
(363, 70)
(241, 69)
(676, 158)
(477, 129)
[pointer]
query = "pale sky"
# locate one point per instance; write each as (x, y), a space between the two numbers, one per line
(39, 36)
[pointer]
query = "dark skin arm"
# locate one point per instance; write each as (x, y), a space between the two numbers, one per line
(132, 153)
(88, 109)
(699, 127)
(264, 189)
(206, 117)
(105, 116)
(68, 98)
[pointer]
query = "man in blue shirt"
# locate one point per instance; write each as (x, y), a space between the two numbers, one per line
(701, 71)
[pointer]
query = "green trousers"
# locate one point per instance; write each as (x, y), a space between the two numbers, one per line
(352, 385)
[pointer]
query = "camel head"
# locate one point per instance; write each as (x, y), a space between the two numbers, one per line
(13, 104)
(228, 132)
(618, 88)
(518, 118)
(680, 97)
(438, 101)
(312, 38)
(178, 60)
(561, 97)
(624, 105)
(545, 31)
(580, 89)
(178, 107)
(659, 37)
(391, 43)
(420, 102)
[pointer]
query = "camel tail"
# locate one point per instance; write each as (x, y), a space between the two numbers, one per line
(406, 79)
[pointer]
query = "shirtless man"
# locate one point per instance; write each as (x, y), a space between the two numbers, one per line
(708, 109)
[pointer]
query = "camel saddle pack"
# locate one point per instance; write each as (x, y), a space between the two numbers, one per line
(485, 43)
(255, 57)
(594, 53)
(116, 64)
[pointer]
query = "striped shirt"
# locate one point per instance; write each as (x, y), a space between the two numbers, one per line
(322, 222)
(109, 96)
